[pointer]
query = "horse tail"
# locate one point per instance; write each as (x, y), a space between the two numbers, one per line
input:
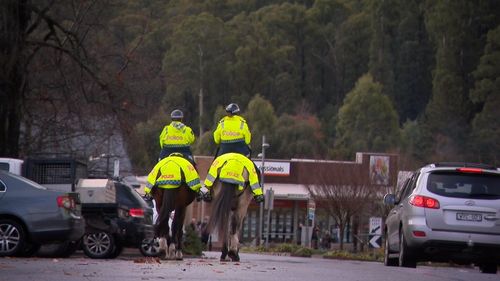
(221, 208)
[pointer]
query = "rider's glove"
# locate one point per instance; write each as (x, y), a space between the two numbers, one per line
(207, 197)
(259, 198)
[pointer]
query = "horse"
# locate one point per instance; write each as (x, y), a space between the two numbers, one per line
(168, 200)
(229, 208)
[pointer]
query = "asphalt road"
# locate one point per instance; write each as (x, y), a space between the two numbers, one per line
(253, 267)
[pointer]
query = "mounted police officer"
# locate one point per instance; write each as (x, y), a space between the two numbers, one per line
(177, 137)
(232, 133)
(237, 169)
(171, 172)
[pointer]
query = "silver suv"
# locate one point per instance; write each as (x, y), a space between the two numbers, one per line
(445, 212)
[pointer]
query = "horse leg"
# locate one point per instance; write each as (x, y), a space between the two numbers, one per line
(224, 252)
(233, 237)
(177, 233)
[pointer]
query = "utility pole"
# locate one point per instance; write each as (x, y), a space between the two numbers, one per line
(261, 205)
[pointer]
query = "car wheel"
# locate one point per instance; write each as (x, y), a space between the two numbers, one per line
(117, 250)
(405, 258)
(12, 238)
(150, 247)
(98, 245)
(488, 268)
(388, 261)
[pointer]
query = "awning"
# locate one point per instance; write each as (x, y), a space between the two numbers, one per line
(288, 191)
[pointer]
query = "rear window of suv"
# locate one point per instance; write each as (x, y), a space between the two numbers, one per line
(464, 185)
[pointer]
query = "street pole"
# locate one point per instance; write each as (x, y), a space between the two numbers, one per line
(261, 205)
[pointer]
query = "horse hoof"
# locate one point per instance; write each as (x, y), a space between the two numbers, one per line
(163, 244)
(234, 256)
(178, 255)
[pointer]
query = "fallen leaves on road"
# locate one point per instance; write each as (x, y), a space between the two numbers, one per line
(149, 260)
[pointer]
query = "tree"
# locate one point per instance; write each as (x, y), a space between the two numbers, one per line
(352, 52)
(13, 58)
(342, 193)
(261, 119)
(485, 126)
(298, 136)
(367, 121)
(194, 65)
(457, 28)
(385, 16)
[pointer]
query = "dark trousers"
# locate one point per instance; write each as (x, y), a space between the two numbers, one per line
(236, 147)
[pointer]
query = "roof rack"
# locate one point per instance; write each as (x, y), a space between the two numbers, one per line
(464, 165)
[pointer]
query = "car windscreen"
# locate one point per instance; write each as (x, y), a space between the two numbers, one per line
(464, 185)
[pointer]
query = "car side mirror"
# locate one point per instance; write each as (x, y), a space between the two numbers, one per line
(390, 199)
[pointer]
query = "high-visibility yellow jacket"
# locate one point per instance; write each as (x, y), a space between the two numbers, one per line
(232, 129)
(176, 134)
(171, 171)
(234, 168)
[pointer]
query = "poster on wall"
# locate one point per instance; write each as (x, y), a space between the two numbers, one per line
(379, 170)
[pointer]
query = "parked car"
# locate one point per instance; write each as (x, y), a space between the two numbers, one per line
(113, 226)
(446, 212)
(32, 215)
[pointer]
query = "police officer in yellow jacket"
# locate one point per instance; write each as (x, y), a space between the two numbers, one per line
(236, 169)
(177, 137)
(232, 133)
(171, 172)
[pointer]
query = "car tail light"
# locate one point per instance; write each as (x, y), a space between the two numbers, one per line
(66, 202)
(424, 202)
(418, 233)
(136, 212)
(470, 170)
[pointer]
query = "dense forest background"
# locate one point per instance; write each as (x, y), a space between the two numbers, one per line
(320, 79)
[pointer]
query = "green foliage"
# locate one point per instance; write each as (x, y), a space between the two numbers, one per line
(373, 255)
(192, 243)
(289, 65)
(367, 121)
(302, 252)
(485, 125)
(298, 136)
(261, 120)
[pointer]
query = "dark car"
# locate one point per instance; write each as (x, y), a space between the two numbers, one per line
(446, 212)
(110, 228)
(32, 215)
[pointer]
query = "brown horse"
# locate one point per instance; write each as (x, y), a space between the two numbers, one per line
(229, 208)
(168, 200)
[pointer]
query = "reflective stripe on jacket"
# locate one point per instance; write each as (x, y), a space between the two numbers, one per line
(232, 129)
(236, 169)
(170, 172)
(176, 134)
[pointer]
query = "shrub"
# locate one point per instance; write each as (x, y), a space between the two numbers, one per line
(192, 243)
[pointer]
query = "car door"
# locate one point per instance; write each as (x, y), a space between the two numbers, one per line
(3, 189)
(392, 220)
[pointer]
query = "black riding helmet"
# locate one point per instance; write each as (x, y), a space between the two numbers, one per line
(232, 108)
(176, 114)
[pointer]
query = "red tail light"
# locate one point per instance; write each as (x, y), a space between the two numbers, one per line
(136, 212)
(424, 202)
(417, 233)
(470, 170)
(65, 202)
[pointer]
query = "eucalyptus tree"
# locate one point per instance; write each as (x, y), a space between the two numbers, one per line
(485, 137)
(367, 120)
